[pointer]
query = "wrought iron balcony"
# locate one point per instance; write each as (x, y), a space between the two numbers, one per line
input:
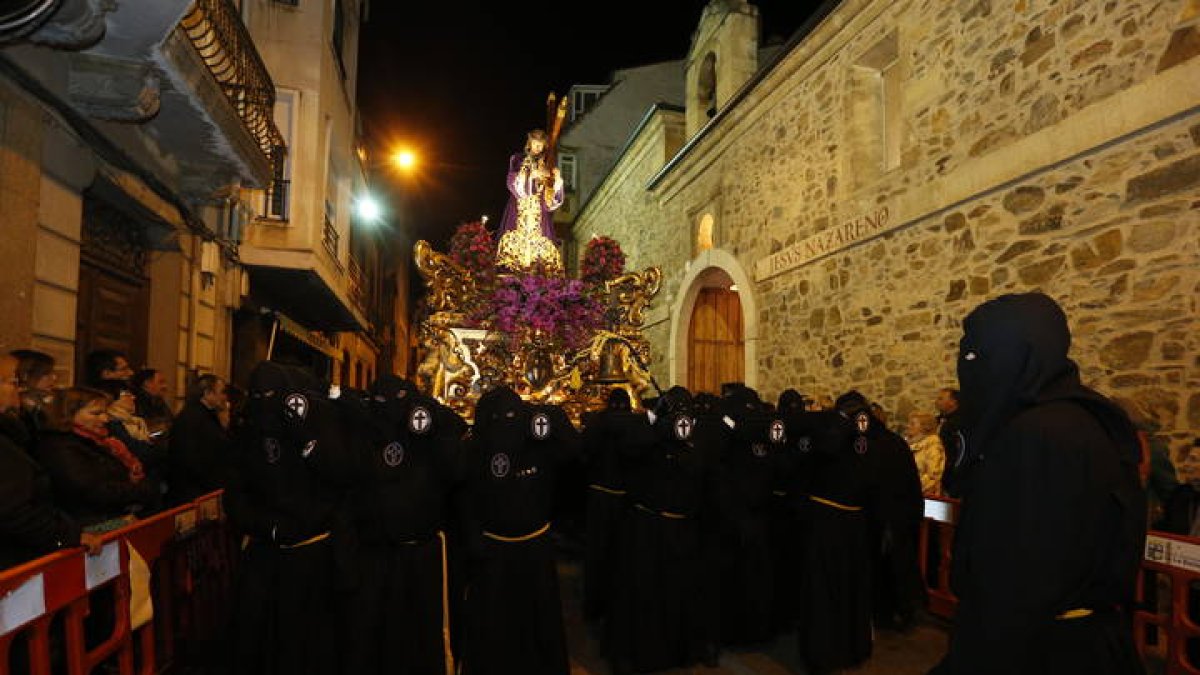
(358, 284)
(330, 239)
(215, 28)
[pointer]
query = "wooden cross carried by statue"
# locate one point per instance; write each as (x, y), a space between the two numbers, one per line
(556, 112)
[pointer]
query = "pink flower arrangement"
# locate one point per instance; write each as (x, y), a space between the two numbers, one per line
(603, 259)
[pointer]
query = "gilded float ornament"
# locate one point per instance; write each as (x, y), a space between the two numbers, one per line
(550, 338)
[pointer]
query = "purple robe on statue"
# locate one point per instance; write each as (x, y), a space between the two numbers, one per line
(522, 184)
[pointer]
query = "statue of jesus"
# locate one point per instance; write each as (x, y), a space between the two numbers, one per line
(535, 192)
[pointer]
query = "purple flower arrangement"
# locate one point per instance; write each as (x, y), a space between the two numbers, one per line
(559, 311)
(537, 305)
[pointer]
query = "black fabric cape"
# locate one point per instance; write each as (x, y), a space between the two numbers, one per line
(515, 621)
(667, 608)
(1053, 515)
(835, 612)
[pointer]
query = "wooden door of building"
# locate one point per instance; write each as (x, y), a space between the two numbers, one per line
(716, 342)
(114, 293)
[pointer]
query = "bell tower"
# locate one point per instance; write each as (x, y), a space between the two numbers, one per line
(723, 56)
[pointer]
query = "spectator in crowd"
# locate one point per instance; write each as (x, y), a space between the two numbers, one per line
(1157, 470)
(921, 434)
(150, 389)
(125, 426)
(96, 477)
(199, 441)
(30, 525)
(36, 378)
(821, 403)
(950, 432)
(106, 364)
(235, 406)
(1180, 512)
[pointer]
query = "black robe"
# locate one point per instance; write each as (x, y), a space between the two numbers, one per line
(515, 621)
(835, 573)
(398, 614)
(896, 526)
(665, 615)
(610, 438)
(750, 467)
(1052, 525)
(285, 494)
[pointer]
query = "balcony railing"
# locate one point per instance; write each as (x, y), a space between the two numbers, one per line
(358, 284)
(215, 28)
(329, 239)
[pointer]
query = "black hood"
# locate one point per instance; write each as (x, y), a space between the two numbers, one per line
(269, 383)
(790, 401)
(706, 405)
(855, 408)
(391, 398)
(1012, 356)
(618, 401)
(739, 401)
(501, 418)
(674, 412)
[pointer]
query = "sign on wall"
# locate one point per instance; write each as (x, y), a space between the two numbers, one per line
(822, 244)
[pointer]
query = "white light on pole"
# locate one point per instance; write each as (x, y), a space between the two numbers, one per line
(369, 209)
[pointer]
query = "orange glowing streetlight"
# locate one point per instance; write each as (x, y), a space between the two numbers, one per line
(404, 159)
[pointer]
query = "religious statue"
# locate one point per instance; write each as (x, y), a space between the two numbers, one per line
(535, 188)
(535, 192)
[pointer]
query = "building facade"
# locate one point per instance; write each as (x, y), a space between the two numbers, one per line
(826, 220)
(140, 167)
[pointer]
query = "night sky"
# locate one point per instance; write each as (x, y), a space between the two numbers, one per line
(463, 81)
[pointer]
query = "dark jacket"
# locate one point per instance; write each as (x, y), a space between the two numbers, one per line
(30, 525)
(90, 484)
(199, 453)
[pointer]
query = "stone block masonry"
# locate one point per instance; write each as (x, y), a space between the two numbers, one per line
(1044, 146)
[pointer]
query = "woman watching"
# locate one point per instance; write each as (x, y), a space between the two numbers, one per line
(96, 477)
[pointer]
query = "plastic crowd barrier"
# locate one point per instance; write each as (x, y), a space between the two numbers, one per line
(181, 558)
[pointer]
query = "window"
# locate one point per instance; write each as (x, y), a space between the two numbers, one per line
(584, 98)
(231, 222)
(278, 190)
(704, 233)
(566, 165)
(278, 193)
(706, 86)
(874, 107)
(339, 34)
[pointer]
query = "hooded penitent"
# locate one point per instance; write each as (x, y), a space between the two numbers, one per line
(790, 402)
(269, 381)
(1013, 355)
(1052, 522)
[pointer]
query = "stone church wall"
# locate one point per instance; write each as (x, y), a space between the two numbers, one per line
(945, 153)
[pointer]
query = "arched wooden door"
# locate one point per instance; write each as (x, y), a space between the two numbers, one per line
(716, 341)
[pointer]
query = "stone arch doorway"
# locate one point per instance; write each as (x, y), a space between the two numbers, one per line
(715, 316)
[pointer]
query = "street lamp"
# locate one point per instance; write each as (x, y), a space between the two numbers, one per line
(404, 159)
(368, 208)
